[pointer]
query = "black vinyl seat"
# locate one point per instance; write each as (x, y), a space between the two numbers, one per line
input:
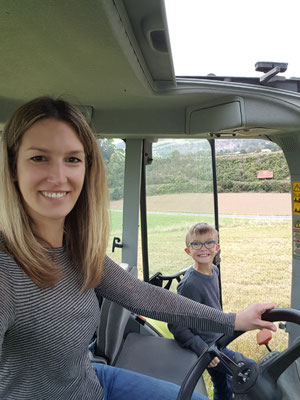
(158, 357)
(148, 354)
(111, 328)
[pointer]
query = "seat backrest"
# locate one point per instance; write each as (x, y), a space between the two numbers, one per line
(112, 324)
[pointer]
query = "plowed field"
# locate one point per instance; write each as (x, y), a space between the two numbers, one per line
(229, 203)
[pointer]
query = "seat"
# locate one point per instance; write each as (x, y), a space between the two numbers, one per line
(111, 328)
(158, 357)
(142, 350)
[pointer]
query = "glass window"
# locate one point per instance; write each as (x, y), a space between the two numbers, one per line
(179, 194)
(113, 152)
(227, 38)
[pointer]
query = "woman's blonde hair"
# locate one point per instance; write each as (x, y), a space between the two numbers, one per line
(86, 226)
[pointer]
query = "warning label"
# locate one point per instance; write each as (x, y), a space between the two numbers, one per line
(296, 242)
(296, 197)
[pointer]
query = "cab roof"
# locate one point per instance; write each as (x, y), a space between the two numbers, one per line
(113, 58)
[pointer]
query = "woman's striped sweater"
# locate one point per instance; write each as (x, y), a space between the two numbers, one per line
(45, 333)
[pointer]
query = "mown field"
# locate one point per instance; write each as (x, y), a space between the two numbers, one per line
(255, 260)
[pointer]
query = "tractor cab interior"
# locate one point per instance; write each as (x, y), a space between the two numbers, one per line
(113, 58)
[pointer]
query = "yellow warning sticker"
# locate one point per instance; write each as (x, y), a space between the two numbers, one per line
(296, 197)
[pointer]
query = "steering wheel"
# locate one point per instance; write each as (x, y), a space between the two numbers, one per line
(250, 381)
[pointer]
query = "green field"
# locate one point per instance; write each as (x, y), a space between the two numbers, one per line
(255, 263)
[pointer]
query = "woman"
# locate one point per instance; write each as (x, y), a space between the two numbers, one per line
(54, 229)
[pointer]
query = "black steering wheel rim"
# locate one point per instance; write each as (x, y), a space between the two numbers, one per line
(275, 315)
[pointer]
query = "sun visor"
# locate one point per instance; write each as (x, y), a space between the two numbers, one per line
(222, 117)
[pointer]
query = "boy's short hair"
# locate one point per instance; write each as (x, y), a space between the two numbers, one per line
(199, 229)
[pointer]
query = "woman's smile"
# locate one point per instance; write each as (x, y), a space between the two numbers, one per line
(54, 195)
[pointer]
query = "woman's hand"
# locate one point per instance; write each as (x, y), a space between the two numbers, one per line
(250, 318)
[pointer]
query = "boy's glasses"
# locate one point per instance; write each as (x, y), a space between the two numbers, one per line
(209, 244)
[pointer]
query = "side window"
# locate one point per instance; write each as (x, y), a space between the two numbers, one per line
(179, 194)
(113, 152)
(255, 229)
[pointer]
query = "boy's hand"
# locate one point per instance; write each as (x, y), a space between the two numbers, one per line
(214, 362)
(250, 318)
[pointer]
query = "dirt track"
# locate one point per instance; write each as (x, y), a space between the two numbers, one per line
(229, 203)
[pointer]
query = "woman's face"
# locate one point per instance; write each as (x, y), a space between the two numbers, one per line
(50, 170)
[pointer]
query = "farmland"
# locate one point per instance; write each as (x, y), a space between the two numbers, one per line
(229, 203)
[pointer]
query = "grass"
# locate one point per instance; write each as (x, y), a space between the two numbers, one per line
(256, 264)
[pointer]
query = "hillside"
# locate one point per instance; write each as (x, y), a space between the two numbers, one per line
(191, 173)
(239, 173)
(184, 166)
(165, 147)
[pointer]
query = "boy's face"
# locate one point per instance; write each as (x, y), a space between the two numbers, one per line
(203, 255)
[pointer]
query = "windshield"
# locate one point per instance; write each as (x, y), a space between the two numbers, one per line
(227, 38)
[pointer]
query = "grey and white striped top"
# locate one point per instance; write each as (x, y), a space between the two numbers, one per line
(44, 333)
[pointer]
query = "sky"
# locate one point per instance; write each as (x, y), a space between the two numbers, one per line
(228, 37)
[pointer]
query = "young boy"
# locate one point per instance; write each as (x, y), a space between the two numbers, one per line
(201, 283)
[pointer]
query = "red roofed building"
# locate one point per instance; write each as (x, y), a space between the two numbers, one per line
(265, 174)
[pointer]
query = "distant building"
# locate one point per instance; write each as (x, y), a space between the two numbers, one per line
(265, 174)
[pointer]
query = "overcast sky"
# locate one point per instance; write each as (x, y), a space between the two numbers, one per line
(229, 37)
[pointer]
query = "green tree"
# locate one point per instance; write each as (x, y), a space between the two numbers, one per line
(107, 148)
